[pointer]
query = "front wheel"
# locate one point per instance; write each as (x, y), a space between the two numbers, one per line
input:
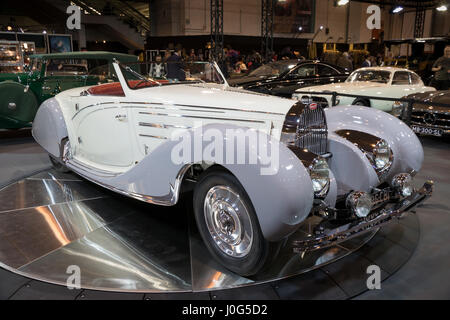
(228, 224)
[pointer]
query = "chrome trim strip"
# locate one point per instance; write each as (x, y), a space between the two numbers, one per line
(163, 126)
(91, 105)
(204, 107)
(103, 173)
(431, 126)
(152, 136)
(202, 117)
(212, 111)
(168, 200)
(229, 109)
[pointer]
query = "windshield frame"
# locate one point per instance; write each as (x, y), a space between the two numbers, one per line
(142, 78)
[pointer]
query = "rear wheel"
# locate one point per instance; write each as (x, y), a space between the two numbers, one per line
(361, 102)
(228, 224)
(58, 166)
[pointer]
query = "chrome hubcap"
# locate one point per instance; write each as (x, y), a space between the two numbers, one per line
(228, 221)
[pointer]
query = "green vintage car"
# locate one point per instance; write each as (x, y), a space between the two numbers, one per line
(47, 75)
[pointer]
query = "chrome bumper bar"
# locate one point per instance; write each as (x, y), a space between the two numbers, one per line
(330, 237)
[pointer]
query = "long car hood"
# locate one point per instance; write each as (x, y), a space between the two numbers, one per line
(216, 96)
(344, 87)
(433, 96)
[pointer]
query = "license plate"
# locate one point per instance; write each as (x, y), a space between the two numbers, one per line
(427, 131)
(380, 197)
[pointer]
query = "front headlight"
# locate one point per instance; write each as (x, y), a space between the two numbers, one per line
(382, 157)
(360, 203)
(320, 177)
(403, 183)
(397, 109)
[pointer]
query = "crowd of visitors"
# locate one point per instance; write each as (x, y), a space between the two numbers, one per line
(234, 62)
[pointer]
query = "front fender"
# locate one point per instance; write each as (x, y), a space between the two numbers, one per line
(350, 166)
(49, 127)
(281, 192)
(406, 147)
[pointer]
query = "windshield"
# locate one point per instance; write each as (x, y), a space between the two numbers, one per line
(370, 75)
(141, 75)
(273, 69)
(66, 67)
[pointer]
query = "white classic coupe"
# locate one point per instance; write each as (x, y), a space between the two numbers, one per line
(383, 82)
(259, 165)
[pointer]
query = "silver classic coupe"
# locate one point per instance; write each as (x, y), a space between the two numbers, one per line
(260, 164)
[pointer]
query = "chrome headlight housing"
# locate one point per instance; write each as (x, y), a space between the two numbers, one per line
(382, 157)
(377, 150)
(397, 109)
(319, 172)
(402, 182)
(360, 203)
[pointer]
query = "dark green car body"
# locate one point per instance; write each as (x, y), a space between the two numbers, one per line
(22, 93)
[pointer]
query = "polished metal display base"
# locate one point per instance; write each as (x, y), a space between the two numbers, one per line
(52, 221)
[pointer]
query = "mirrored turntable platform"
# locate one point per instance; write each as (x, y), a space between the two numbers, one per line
(51, 221)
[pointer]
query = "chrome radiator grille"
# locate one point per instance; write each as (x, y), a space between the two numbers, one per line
(308, 123)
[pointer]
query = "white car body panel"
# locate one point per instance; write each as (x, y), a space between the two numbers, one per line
(155, 113)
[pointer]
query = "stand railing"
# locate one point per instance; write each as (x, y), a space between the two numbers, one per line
(407, 103)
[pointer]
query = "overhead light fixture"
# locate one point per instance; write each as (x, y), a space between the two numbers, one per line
(300, 28)
(44, 32)
(442, 8)
(321, 27)
(9, 28)
(342, 2)
(397, 9)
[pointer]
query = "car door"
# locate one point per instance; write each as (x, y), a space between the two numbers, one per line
(327, 74)
(302, 76)
(102, 132)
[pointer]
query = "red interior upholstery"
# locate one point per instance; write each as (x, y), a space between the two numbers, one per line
(108, 89)
(115, 89)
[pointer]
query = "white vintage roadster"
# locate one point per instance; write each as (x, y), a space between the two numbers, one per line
(261, 164)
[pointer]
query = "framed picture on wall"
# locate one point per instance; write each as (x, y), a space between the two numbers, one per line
(59, 43)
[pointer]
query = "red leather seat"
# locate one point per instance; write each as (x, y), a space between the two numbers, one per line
(115, 89)
(108, 89)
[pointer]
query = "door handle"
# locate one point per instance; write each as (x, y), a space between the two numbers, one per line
(121, 117)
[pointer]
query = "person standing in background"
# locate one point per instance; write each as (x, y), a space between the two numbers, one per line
(175, 70)
(366, 63)
(441, 69)
(345, 62)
